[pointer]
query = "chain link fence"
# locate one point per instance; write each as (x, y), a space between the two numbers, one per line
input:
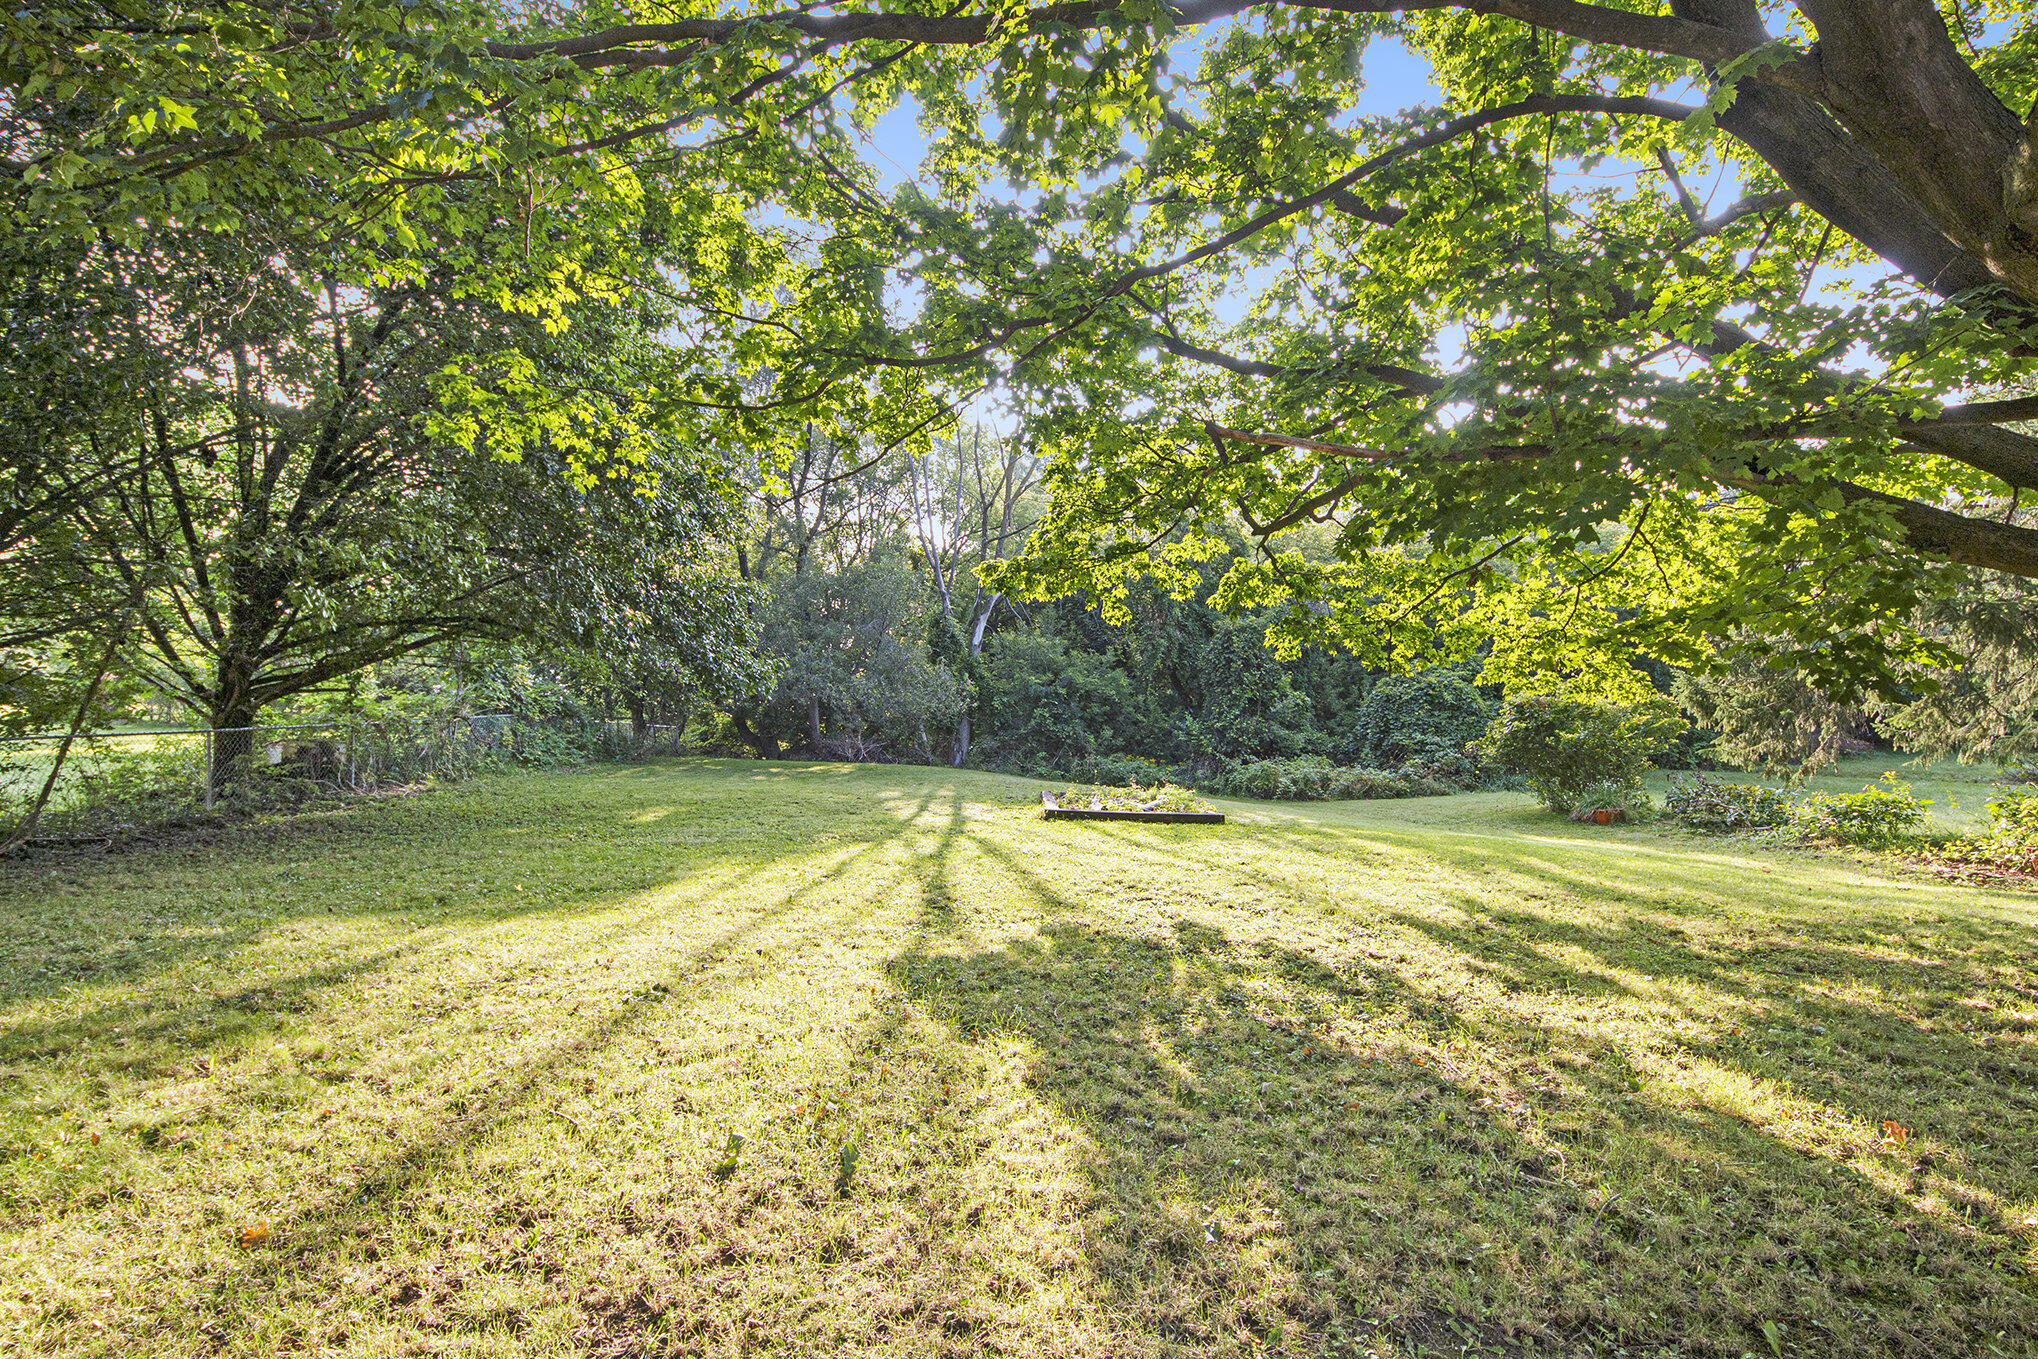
(108, 784)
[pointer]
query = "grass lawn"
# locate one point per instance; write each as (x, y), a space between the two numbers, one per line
(734, 1058)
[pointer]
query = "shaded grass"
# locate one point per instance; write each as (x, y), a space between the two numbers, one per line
(1436, 1076)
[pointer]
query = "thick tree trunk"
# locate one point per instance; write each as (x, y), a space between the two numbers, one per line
(1905, 149)
(640, 726)
(230, 746)
(814, 722)
(962, 740)
(766, 748)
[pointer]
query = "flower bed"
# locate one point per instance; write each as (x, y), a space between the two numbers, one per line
(1163, 803)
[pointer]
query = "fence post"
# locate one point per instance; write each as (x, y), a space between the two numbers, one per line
(205, 775)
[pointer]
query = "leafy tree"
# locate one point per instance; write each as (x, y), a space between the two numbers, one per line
(340, 475)
(1250, 707)
(969, 506)
(1668, 420)
(1985, 708)
(1769, 718)
(1048, 699)
(855, 676)
(1572, 748)
(1551, 421)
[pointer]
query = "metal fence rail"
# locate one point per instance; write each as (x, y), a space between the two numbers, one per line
(115, 782)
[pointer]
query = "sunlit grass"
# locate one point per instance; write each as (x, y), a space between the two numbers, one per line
(705, 1058)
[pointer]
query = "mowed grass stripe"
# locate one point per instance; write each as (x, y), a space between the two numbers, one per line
(718, 1058)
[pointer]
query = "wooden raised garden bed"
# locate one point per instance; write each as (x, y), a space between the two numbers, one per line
(1054, 811)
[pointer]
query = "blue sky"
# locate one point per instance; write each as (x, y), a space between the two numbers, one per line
(1395, 79)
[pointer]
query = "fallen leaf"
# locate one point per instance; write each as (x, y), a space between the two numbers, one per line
(845, 1167)
(254, 1234)
(732, 1149)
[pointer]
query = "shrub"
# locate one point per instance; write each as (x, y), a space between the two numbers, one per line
(1311, 778)
(1432, 715)
(1727, 806)
(1565, 746)
(1883, 815)
(2010, 836)
(1123, 771)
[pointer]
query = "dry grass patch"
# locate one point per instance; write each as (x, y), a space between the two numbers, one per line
(711, 1058)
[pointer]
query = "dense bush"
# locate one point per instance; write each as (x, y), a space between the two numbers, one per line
(1565, 746)
(1250, 706)
(1118, 771)
(1050, 701)
(1883, 815)
(1430, 716)
(1727, 806)
(1311, 778)
(2010, 835)
(1460, 769)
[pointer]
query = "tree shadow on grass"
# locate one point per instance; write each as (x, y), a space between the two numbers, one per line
(333, 1220)
(1441, 1182)
(1850, 1002)
(104, 922)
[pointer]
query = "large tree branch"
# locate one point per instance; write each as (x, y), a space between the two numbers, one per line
(1061, 324)
(638, 43)
(1892, 75)
(1483, 453)
(1989, 412)
(1987, 543)
(2004, 454)
(1929, 529)
(1670, 35)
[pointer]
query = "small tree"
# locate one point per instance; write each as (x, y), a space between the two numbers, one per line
(1567, 745)
(855, 671)
(1769, 717)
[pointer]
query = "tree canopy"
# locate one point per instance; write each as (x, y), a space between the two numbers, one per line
(1502, 374)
